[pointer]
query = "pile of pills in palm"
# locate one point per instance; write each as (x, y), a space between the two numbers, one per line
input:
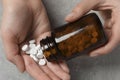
(35, 52)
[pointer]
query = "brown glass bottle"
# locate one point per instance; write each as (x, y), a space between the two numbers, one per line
(75, 39)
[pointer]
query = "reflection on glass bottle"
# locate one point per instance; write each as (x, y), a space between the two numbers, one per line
(75, 39)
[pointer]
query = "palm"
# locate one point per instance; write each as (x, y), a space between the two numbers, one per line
(22, 22)
(30, 23)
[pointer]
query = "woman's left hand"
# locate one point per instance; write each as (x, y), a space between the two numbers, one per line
(110, 11)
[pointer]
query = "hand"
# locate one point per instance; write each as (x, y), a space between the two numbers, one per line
(110, 11)
(24, 20)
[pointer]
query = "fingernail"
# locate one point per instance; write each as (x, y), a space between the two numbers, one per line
(94, 55)
(70, 16)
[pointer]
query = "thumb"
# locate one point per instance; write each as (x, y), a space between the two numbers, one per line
(12, 50)
(83, 7)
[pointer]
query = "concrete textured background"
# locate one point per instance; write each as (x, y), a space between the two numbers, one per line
(105, 67)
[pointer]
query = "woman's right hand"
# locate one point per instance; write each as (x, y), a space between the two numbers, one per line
(24, 20)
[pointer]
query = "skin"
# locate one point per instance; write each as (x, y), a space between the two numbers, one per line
(24, 20)
(110, 11)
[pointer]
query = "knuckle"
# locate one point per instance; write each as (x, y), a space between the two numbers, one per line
(66, 77)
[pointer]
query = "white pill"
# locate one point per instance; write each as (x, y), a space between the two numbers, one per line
(32, 41)
(32, 45)
(40, 55)
(27, 52)
(45, 46)
(25, 47)
(34, 58)
(40, 51)
(33, 51)
(42, 62)
(38, 47)
(30, 51)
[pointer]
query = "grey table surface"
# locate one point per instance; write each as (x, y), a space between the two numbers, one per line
(105, 67)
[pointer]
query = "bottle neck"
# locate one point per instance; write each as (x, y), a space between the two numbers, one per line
(49, 44)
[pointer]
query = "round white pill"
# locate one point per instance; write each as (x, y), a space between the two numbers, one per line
(42, 62)
(33, 51)
(46, 47)
(32, 45)
(32, 41)
(25, 47)
(40, 55)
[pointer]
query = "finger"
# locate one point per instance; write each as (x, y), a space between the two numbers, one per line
(64, 66)
(108, 28)
(34, 70)
(11, 24)
(58, 71)
(52, 75)
(43, 24)
(108, 24)
(83, 7)
(49, 69)
(108, 32)
(112, 43)
(106, 15)
(12, 50)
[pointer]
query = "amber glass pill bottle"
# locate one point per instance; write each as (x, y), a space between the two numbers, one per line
(75, 39)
